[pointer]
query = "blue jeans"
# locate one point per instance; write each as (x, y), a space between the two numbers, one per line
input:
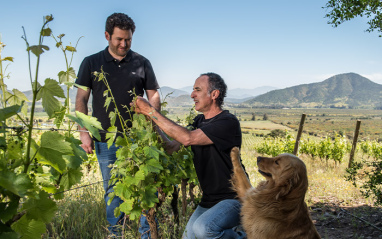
(106, 156)
(218, 221)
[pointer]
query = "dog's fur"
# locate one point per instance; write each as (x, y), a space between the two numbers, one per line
(275, 209)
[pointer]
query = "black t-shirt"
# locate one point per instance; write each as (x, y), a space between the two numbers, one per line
(213, 162)
(132, 72)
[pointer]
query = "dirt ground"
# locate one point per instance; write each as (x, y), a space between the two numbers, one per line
(334, 221)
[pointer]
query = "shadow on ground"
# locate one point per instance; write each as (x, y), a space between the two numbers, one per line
(335, 222)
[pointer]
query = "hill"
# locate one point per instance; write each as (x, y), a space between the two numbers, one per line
(348, 90)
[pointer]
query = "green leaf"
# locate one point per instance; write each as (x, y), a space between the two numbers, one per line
(122, 191)
(29, 229)
(18, 184)
(122, 141)
(110, 135)
(127, 206)
(46, 32)
(151, 152)
(67, 76)
(149, 198)
(72, 177)
(136, 179)
(8, 58)
(107, 102)
(46, 181)
(152, 166)
(8, 210)
(19, 98)
(52, 148)
(42, 208)
(112, 117)
(89, 122)
(49, 18)
(59, 116)
(38, 49)
(8, 112)
(74, 161)
(70, 48)
(122, 152)
(8, 235)
(58, 44)
(135, 213)
(48, 93)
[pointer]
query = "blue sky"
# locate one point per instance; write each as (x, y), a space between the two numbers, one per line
(249, 43)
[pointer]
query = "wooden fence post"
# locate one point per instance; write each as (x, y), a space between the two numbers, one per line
(354, 146)
(299, 134)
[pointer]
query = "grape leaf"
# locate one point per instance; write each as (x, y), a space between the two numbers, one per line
(72, 177)
(48, 93)
(31, 229)
(89, 122)
(42, 208)
(52, 148)
(8, 112)
(38, 49)
(79, 155)
(19, 184)
(127, 206)
(8, 210)
(67, 76)
(149, 198)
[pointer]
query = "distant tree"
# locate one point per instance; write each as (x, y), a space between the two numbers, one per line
(265, 116)
(253, 117)
(341, 11)
(277, 133)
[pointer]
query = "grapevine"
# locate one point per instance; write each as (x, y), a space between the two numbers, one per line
(33, 167)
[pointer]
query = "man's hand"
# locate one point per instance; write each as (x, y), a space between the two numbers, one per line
(142, 106)
(87, 142)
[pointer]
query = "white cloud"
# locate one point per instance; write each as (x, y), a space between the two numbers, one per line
(376, 77)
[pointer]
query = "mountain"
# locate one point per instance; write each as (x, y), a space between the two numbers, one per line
(348, 90)
(240, 93)
(165, 90)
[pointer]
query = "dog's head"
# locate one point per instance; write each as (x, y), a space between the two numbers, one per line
(286, 172)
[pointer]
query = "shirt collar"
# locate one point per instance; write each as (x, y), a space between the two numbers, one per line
(109, 57)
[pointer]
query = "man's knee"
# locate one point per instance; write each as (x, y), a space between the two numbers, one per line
(205, 230)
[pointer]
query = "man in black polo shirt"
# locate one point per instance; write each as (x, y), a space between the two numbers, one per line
(216, 132)
(125, 70)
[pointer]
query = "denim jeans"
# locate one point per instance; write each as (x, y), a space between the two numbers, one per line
(218, 221)
(106, 156)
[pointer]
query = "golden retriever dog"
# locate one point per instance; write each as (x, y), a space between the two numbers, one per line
(275, 209)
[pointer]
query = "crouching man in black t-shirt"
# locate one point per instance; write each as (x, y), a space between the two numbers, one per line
(216, 132)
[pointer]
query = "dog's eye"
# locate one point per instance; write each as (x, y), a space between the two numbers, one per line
(277, 162)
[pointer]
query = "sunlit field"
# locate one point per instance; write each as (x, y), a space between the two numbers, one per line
(82, 213)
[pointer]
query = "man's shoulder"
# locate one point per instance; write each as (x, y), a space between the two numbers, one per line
(95, 55)
(227, 115)
(137, 56)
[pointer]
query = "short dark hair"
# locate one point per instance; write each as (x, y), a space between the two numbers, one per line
(216, 82)
(120, 20)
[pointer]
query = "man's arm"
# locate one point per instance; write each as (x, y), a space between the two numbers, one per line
(154, 98)
(82, 99)
(175, 131)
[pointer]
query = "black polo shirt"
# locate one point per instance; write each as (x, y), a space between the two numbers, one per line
(212, 162)
(134, 72)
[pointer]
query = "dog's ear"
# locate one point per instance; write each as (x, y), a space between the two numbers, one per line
(288, 180)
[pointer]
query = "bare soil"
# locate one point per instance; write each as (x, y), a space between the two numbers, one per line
(334, 220)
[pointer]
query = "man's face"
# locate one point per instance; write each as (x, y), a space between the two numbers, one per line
(119, 42)
(202, 98)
